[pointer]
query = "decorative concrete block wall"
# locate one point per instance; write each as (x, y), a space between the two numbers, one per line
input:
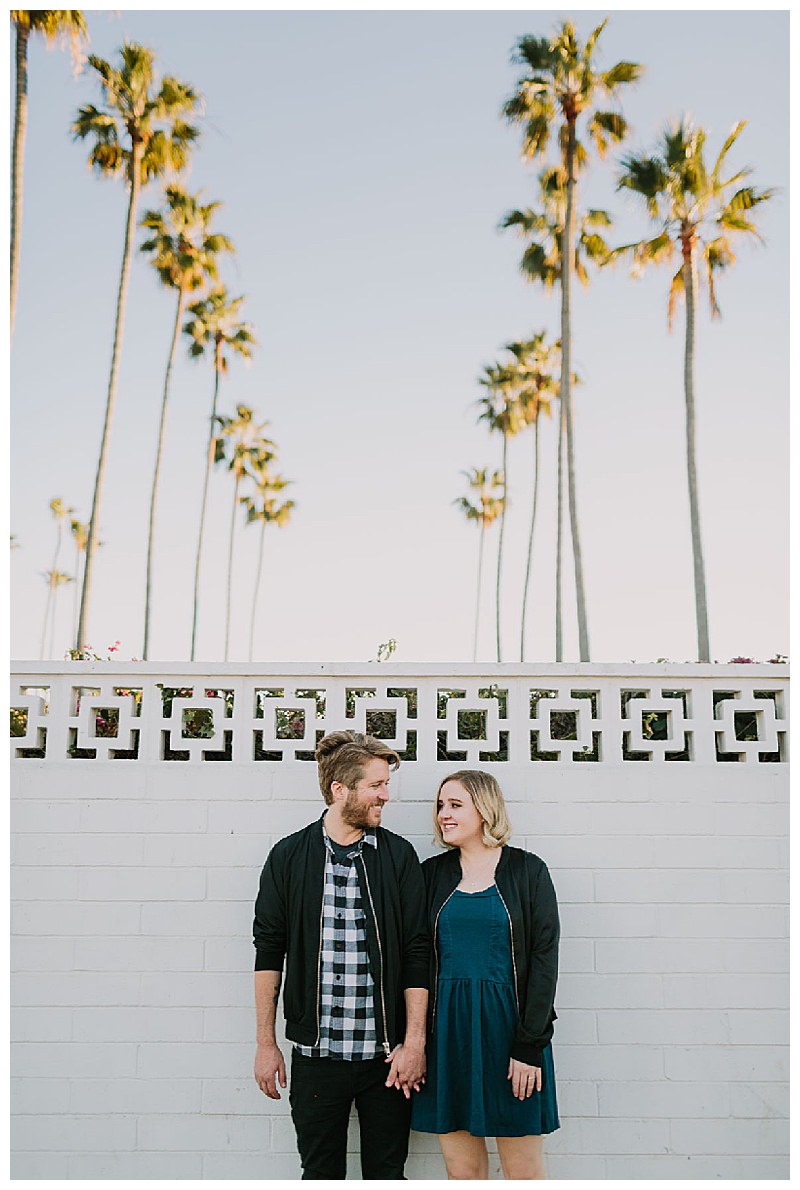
(145, 800)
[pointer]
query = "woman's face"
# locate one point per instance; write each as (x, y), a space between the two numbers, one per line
(458, 819)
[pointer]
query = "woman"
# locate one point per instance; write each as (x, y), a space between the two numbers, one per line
(494, 924)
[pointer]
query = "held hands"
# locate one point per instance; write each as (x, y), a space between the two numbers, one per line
(524, 1079)
(407, 1068)
(268, 1066)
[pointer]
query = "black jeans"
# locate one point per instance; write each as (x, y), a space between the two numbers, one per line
(321, 1093)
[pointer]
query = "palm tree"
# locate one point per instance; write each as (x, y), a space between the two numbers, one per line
(61, 514)
(51, 25)
(537, 387)
(265, 509)
(139, 135)
(184, 252)
(541, 262)
(214, 322)
(561, 80)
(54, 580)
(484, 512)
(501, 411)
(80, 535)
(698, 218)
(242, 446)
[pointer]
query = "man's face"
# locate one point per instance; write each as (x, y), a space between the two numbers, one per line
(363, 806)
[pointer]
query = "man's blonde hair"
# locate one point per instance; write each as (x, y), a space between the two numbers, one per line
(343, 755)
(487, 798)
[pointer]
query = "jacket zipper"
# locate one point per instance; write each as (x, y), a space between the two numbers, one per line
(319, 965)
(513, 957)
(386, 1046)
(436, 959)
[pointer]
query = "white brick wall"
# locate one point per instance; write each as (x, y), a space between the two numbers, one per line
(132, 907)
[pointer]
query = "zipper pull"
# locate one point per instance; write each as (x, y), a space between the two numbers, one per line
(387, 1048)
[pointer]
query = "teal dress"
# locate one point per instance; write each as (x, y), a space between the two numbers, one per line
(467, 1086)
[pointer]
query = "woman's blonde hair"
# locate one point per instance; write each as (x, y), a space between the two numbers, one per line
(487, 798)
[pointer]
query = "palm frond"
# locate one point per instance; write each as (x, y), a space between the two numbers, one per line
(526, 222)
(607, 126)
(644, 175)
(537, 53)
(675, 290)
(595, 217)
(729, 141)
(622, 72)
(537, 134)
(591, 40)
(594, 246)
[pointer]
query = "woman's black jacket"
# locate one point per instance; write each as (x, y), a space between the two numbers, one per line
(527, 892)
(288, 917)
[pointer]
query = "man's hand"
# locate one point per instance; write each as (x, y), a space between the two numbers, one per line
(269, 1064)
(407, 1070)
(524, 1079)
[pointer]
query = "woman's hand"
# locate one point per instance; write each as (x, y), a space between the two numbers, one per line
(524, 1079)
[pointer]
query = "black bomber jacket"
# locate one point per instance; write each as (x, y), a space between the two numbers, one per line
(288, 921)
(529, 898)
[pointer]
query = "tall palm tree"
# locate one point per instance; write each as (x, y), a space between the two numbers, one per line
(536, 360)
(563, 82)
(54, 580)
(52, 25)
(183, 251)
(61, 514)
(139, 135)
(543, 230)
(80, 535)
(265, 509)
(699, 219)
(501, 411)
(214, 324)
(484, 512)
(243, 447)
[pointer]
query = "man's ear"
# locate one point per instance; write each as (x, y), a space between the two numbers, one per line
(338, 790)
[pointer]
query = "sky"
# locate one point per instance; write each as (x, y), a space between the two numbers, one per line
(364, 166)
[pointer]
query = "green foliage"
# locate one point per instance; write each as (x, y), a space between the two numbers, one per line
(692, 205)
(140, 127)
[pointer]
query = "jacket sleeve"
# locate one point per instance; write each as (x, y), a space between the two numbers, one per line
(536, 1025)
(416, 941)
(269, 924)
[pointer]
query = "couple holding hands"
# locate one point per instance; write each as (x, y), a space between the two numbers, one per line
(421, 993)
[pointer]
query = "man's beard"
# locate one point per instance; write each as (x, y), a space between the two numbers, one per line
(354, 812)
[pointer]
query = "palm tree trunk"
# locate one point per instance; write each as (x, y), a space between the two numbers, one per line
(560, 533)
(209, 464)
(500, 546)
(46, 615)
(566, 387)
(75, 592)
(701, 606)
(156, 477)
(53, 621)
(257, 587)
(530, 535)
(130, 226)
(51, 591)
(17, 155)
(230, 567)
(478, 596)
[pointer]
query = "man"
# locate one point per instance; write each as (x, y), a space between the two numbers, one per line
(342, 902)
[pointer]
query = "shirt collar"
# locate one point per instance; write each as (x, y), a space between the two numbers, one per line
(368, 836)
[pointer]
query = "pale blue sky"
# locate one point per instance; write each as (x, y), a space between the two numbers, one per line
(364, 167)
